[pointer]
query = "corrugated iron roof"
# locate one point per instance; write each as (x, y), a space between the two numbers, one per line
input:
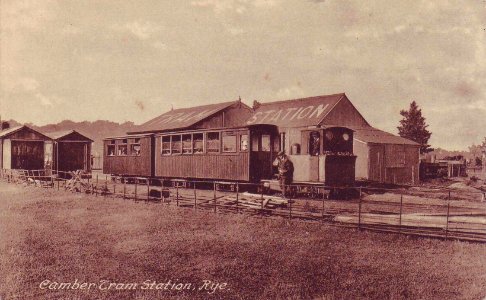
(309, 111)
(60, 134)
(10, 130)
(7, 132)
(376, 136)
(181, 118)
(127, 136)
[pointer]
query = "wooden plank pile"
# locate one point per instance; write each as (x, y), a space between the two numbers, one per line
(257, 202)
(77, 183)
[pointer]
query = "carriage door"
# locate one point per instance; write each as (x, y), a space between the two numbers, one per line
(261, 155)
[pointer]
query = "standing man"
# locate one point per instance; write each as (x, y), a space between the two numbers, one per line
(285, 171)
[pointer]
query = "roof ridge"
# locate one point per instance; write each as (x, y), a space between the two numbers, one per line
(301, 99)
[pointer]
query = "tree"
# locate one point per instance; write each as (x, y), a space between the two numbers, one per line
(413, 127)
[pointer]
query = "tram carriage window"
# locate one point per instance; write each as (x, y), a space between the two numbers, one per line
(244, 142)
(198, 143)
(111, 150)
(229, 141)
(166, 145)
(135, 149)
(186, 144)
(212, 142)
(254, 143)
(123, 148)
(265, 142)
(176, 145)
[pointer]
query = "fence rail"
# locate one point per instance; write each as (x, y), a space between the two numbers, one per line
(441, 213)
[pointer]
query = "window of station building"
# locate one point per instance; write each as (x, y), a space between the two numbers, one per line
(244, 142)
(198, 143)
(176, 145)
(314, 143)
(276, 144)
(186, 143)
(123, 148)
(166, 145)
(229, 141)
(212, 142)
(266, 143)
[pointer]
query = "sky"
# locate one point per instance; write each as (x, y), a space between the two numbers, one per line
(134, 60)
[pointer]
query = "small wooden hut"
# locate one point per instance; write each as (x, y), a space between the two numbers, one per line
(22, 147)
(71, 151)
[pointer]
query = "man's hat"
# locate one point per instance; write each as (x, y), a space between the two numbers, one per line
(281, 153)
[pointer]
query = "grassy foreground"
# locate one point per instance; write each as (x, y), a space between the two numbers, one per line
(122, 247)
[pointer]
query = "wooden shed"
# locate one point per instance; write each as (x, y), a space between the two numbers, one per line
(70, 151)
(22, 147)
(386, 158)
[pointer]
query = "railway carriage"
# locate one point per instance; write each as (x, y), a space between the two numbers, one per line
(130, 155)
(242, 154)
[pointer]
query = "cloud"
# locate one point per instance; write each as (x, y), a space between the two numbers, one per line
(48, 101)
(140, 30)
(26, 14)
(290, 92)
(234, 6)
(159, 45)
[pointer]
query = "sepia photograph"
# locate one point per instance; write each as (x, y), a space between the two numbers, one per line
(242, 149)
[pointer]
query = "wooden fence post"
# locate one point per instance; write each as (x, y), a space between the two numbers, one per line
(148, 189)
(323, 196)
(237, 197)
(114, 188)
(401, 208)
(290, 204)
(177, 193)
(447, 220)
(124, 188)
(136, 188)
(195, 196)
(214, 194)
(359, 208)
(161, 189)
(96, 187)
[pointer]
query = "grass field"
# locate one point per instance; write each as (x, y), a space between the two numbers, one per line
(52, 235)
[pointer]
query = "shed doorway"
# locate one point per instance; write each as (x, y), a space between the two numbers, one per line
(71, 156)
(28, 155)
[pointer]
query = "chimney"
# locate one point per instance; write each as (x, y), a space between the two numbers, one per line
(256, 104)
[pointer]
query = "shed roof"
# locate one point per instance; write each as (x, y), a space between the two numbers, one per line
(376, 136)
(182, 117)
(309, 111)
(59, 135)
(10, 131)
